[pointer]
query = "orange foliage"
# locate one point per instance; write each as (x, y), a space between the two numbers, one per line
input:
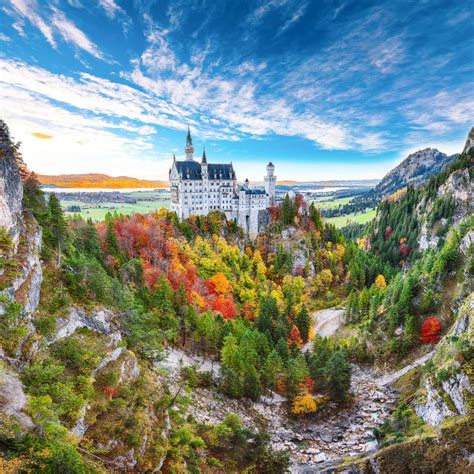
(430, 330)
(219, 284)
(299, 200)
(275, 212)
(295, 337)
(249, 310)
(150, 275)
(225, 306)
(280, 386)
(307, 385)
(110, 392)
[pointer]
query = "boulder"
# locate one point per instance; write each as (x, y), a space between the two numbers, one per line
(12, 404)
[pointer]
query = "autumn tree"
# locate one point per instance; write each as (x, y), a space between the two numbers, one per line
(380, 282)
(304, 404)
(219, 284)
(295, 337)
(430, 330)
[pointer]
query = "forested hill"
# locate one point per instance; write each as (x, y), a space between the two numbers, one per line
(416, 219)
(415, 170)
(96, 180)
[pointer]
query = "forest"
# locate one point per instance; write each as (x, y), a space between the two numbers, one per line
(204, 287)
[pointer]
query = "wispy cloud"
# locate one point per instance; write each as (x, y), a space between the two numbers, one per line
(294, 18)
(29, 9)
(4, 38)
(73, 35)
(111, 8)
(51, 22)
(265, 7)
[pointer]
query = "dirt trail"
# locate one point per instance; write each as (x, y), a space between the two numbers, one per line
(390, 378)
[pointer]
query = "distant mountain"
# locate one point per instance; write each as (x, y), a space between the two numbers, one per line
(415, 170)
(96, 180)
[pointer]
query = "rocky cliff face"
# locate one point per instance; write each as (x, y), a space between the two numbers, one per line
(469, 142)
(24, 283)
(96, 327)
(450, 390)
(11, 193)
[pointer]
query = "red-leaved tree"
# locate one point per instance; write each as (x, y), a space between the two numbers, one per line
(110, 392)
(430, 329)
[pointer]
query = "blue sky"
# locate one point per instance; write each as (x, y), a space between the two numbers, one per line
(338, 89)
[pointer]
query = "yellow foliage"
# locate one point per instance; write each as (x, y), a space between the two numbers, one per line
(339, 251)
(326, 276)
(12, 466)
(221, 284)
(311, 333)
(380, 282)
(303, 404)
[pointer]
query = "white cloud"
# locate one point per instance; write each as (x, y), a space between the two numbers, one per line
(294, 18)
(266, 7)
(73, 35)
(111, 8)
(29, 9)
(51, 22)
(4, 38)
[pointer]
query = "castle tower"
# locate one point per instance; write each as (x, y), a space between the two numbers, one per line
(204, 171)
(270, 182)
(189, 149)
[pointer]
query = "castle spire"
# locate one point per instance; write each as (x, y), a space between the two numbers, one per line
(189, 149)
(204, 157)
(189, 140)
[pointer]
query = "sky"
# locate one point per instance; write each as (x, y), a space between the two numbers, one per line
(340, 89)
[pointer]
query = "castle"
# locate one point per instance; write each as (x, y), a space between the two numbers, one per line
(199, 188)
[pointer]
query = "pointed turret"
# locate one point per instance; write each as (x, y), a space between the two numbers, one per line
(204, 157)
(189, 149)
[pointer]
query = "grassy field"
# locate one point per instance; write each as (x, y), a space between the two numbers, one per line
(148, 201)
(98, 212)
(327, 203)
(359, 217)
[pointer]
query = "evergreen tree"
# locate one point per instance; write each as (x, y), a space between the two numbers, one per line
(57, 229)
(272, 368)
(303, 321)
(90, 241)
(282, 349)
(288, 211)
(338, 375)
(111, 242)
(315, 217)
(268, 312)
